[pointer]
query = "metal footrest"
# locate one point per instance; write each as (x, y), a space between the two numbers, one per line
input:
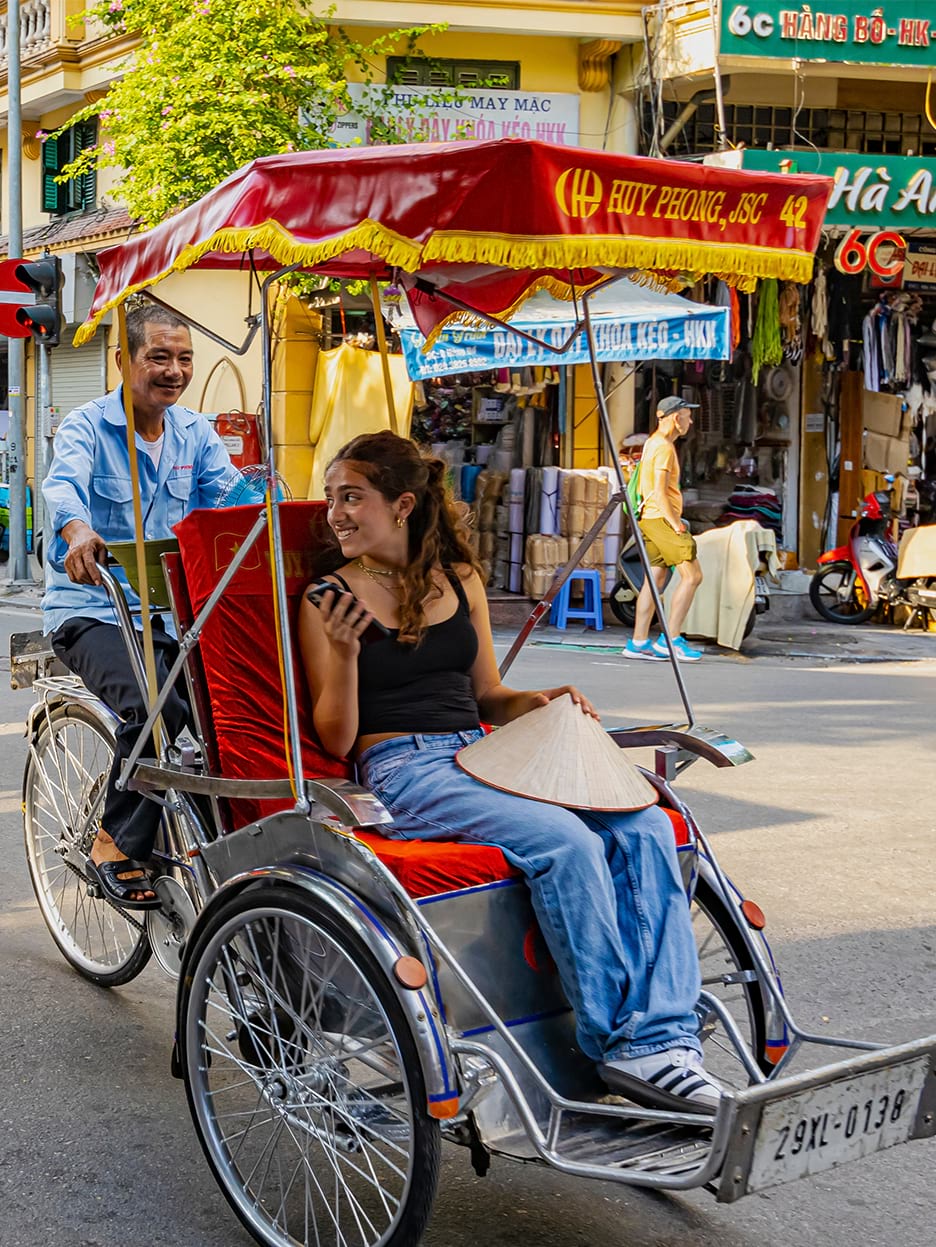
(602, 1143)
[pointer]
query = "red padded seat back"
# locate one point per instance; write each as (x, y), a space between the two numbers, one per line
(239, 648)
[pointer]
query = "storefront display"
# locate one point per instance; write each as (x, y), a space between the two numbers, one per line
(501, 430)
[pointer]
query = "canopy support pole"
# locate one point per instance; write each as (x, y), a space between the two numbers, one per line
(384, 354)
(149, 653)
(277, 568)
(622, 485)
(253, 323)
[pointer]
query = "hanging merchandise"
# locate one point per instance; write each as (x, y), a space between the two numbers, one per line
(887, 338)
(766, 347)
(791, 330)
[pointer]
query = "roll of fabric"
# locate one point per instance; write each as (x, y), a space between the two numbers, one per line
(515, 577)
(516, 550)
(549, 502)
(515, 498)
(534, 493)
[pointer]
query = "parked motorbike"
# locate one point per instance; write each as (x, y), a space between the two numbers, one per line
(852, 580)
(623, 596)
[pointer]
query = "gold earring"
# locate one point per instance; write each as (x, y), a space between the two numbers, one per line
(400, 521)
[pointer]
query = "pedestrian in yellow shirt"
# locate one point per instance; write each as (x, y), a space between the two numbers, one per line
(667, 537)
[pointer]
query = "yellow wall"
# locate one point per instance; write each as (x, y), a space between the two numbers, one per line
(546, 64)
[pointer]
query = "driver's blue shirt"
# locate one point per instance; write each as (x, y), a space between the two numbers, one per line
(89, 480)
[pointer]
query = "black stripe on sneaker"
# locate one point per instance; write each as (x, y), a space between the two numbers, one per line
(679, 1081)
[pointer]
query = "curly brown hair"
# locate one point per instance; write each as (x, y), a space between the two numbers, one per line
(437, 535)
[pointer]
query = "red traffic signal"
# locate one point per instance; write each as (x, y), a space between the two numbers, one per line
(13, 295)
(44, 278)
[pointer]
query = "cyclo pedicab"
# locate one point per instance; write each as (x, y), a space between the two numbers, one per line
(347, 1000)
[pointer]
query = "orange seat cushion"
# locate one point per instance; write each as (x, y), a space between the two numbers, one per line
(428, 867)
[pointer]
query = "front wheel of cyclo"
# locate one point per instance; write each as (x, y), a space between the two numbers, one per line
(63, 789)
(303, 1078)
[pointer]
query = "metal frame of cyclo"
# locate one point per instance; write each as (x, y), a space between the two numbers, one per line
(269, 517)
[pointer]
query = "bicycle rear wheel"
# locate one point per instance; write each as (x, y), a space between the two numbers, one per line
(303, 1078)
(730, 974)
(63, 794)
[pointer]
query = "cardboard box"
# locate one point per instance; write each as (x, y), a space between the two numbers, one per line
(882, 413)
(886, 454)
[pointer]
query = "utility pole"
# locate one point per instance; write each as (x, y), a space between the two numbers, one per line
(18, 567)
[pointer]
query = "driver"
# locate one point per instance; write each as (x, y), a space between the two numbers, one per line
(606, 888)
(182, 465)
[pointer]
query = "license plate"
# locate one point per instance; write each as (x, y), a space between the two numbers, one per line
(761, 586)
(837, 1123)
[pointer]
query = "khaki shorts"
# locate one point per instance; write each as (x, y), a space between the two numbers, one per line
(665, 546)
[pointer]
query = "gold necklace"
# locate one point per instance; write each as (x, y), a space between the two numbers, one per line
(374, 575)
(376, 571)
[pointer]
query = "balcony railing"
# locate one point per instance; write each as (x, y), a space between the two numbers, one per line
(45, 25)
(35, 29)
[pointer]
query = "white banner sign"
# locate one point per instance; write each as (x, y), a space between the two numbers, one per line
(426, 114)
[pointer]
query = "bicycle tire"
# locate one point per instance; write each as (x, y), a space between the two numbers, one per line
(724, 955)
(285, 1045)
(93, 936)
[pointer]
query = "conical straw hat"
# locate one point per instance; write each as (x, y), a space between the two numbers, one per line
(560, 755)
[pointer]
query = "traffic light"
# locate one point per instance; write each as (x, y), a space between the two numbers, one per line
(44, 319)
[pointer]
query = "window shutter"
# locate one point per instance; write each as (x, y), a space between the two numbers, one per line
(53, 195)
(85, 137)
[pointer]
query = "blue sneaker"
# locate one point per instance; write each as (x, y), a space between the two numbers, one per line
(641, 649)
(681, 648)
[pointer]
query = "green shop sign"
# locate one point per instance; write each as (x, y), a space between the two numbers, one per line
(895, 32)
(880, 192)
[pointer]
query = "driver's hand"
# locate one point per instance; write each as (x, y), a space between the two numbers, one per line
(86, 549)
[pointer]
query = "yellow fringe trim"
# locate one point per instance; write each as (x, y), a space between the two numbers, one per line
(270, 236)
(740, 266)
(618, 251)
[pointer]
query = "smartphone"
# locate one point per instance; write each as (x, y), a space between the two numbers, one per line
(375, 630)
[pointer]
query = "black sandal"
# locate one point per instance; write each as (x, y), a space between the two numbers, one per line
(120, 891)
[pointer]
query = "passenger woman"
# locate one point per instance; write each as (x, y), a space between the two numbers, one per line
(606, 888)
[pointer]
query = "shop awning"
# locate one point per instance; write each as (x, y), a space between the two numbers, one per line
(491, 223)
(629, 322)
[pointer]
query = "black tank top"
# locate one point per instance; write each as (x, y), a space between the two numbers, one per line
(420, 688)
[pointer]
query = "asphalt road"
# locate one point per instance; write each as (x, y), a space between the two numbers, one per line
(831, 830)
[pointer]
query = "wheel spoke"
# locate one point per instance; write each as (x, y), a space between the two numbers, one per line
(65, 783)
(298, 1083)
(720, 961)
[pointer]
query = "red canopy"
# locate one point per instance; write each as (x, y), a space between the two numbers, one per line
(460, 214)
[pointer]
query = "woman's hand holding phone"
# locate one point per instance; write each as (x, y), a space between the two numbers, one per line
(348, 623)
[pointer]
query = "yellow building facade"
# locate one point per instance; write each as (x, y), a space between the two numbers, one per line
(566, 61)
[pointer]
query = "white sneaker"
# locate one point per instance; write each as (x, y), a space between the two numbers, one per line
(675, 1080)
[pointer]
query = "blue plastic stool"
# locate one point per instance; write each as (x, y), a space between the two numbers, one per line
(562, 612)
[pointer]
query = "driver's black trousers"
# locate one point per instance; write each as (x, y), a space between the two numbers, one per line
(96, 653)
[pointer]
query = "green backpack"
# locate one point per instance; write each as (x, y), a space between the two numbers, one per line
(634, 495)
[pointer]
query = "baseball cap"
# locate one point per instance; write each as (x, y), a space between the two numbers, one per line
(674, 403)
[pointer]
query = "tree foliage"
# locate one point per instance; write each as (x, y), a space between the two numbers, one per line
(214, 84)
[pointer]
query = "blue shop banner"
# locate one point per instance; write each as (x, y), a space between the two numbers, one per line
(642, 325)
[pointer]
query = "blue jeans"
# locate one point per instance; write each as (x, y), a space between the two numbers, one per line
(606, 889)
